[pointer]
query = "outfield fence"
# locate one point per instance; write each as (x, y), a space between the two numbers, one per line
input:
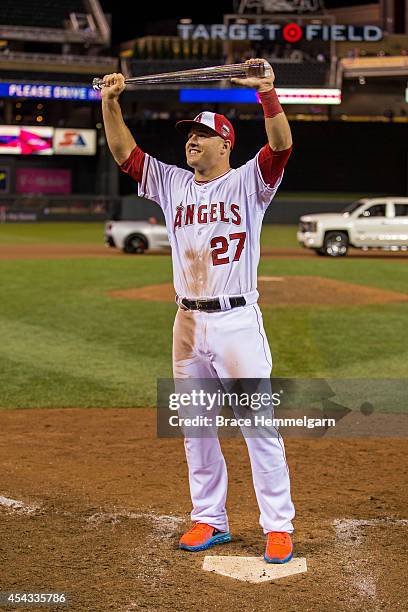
(32, 208)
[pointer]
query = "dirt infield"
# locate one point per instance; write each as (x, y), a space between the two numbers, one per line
(287, 291)
(57, 251)
(103, 501)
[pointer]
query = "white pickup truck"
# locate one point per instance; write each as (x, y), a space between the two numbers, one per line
(379, 223)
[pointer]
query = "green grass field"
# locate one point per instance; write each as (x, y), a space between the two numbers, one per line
(65, 343)
(51, 233)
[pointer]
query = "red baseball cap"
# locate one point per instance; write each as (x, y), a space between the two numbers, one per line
(216, 122)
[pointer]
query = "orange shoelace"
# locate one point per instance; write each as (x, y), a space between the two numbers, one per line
(279, 538)
(200, 527)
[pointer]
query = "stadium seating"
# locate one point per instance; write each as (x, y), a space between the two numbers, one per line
(45, 14)
(47, 77)
(305, 74)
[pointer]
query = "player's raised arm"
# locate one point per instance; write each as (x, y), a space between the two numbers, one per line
(120, 141)
(276, 124)
(272, 158)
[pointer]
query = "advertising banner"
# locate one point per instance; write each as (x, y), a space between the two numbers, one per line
(294, 95)
(41, 180)
(289, 33)
(47, 91)
(33, 140)
(74, 142)
(25, 140)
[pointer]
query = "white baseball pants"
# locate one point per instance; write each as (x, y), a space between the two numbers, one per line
(228, 345)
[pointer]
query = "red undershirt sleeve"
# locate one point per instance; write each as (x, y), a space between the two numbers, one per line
(272, 163)
(133, 166)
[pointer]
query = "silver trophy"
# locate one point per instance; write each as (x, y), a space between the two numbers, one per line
(212, 73)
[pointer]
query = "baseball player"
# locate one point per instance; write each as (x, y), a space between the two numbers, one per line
(214, 216)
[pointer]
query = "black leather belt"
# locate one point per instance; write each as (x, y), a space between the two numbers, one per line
(212, 305)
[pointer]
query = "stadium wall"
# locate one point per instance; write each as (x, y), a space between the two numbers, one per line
(328, 156)
(283, 210)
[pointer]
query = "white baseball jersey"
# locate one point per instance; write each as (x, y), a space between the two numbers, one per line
(214, 227)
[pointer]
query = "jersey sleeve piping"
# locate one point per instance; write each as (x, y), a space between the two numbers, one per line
(145, 174)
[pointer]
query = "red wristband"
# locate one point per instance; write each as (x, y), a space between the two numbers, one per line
(270, 103)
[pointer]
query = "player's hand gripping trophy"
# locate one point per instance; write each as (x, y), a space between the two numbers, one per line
(113, 85)
(261, 80)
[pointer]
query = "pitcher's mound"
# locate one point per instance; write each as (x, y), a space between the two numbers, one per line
(287, 291)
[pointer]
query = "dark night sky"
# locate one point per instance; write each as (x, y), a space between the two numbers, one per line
(129, 21)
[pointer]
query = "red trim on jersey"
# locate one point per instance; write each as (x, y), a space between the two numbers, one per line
(211, 180)
(272, 163)
(270, 103)
(133, 166)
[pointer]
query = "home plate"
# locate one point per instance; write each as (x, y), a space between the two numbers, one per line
(253, 569)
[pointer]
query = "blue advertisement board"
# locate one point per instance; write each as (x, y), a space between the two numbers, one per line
(48, 91)
(243, 96)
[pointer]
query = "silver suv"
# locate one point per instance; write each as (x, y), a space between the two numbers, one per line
(379, 223)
